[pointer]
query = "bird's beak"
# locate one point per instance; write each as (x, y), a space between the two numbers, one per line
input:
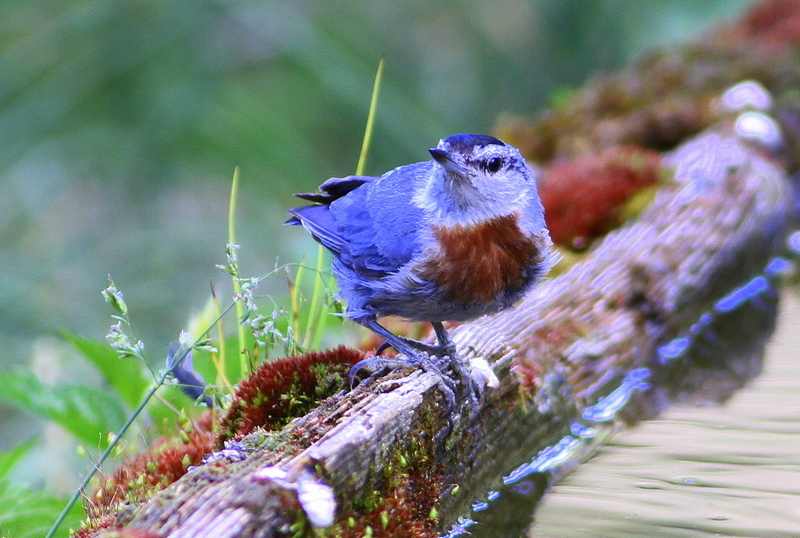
(448, 161)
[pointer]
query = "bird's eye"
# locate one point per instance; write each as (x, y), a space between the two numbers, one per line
(494, 164)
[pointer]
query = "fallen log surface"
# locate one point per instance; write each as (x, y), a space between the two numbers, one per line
(612, 340)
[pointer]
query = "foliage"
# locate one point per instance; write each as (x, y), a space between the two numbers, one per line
(84, 411)
(27, 512)
(87, 412)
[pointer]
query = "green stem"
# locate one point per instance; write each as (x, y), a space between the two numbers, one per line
(294, 296)
(244, 364)
(159, 383)
(315, 312)
(373, 107)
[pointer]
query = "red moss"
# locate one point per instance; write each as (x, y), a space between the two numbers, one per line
(284, 389)
(544, 342)
(137, 480)
(406, 512)
(409, 495)
(583, 197)
(529, 374)
(664, 125)
(95, 525)
(774, 23)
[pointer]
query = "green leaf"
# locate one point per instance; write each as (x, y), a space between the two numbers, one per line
(10, 458)
(29, 513)
(128, 377)
(86, 412)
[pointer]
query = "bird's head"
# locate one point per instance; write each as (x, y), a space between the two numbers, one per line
(477, 177)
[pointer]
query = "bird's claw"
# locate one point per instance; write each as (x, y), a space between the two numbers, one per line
(378, 365)
(375, 365)
(460, 390)
(471, 390)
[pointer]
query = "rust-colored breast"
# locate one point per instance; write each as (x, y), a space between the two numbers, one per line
(477, 263)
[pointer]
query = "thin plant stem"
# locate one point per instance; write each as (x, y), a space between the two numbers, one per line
(373, 107)
(244, 363)
(219, 358)
(316, 312)
(159, 383)
(294, 296)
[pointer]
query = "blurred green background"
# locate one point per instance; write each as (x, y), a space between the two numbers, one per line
(121, 122)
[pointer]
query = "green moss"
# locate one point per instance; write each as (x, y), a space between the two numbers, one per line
(402, 502)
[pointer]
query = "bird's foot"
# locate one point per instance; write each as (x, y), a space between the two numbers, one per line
(443, 360)
(469, 391)
(454, 372)
(465, 399)
(461, 391)
(376, 366)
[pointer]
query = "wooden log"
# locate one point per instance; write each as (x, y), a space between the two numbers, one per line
(384, 459)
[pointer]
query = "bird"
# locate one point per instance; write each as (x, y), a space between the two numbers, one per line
(454, 238)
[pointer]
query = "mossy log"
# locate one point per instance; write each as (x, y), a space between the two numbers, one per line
(370, 457)
(676, 303)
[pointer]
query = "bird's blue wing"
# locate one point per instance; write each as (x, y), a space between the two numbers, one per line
(317, 219)
(319, 222)
(370, 223)
(380, 221)
(398, 220)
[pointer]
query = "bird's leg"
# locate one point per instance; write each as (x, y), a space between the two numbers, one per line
(436, 351)
(471, 389)
(445, 347)
(377, 364)
(445, 342)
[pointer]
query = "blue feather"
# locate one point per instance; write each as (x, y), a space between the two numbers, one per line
(319, 222)
(380, 221)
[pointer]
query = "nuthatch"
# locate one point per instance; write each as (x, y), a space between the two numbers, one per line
(450, 239)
